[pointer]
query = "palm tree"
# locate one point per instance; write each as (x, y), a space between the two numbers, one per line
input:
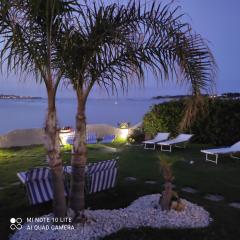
(111, 45)
(28, 31)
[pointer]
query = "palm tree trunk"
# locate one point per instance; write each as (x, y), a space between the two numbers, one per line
(165, 199)
(79, 160)
(53, 152)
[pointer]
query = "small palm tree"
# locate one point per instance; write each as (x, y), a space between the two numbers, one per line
(167, 194)
(112, 45)
(28, 31)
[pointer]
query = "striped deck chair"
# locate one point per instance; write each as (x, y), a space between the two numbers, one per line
(70, 139)
(39, 185)
(101, 175)
(108, 139)
(91, 138)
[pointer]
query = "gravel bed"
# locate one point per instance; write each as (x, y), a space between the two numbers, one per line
(144, 211)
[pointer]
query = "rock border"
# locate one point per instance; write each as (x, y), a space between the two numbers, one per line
(143, 212)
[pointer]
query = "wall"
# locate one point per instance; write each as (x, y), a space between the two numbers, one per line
(26, 137)
(22, 137)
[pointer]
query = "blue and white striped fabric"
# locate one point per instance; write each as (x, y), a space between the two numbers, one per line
(91, 138)
(102, 175)
(108, 139)
(70, 139)
(39, 185)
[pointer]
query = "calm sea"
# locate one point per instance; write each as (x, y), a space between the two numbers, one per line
(17, 114)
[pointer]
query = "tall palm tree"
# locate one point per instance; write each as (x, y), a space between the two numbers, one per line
(28, 31)
(112, 45)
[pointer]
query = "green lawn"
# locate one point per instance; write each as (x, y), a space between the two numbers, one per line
(144, 165)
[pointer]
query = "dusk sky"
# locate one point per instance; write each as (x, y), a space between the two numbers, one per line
(216, 20)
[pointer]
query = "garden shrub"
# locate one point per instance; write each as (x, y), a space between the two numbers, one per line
(218, 125)
(164, 117)
(136, 136)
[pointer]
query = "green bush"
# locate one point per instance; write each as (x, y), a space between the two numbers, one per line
(163, 118)
(137, 136)
(218, 125)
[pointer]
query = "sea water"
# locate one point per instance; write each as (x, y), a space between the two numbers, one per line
(31, 113)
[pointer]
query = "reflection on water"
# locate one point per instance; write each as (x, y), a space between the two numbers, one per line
(16, 114)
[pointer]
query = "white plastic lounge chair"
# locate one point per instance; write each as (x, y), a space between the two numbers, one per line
(224, 150)
(108, 139)
(151, 144)
(180, 141)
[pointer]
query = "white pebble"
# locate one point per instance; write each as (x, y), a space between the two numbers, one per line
(142, 212)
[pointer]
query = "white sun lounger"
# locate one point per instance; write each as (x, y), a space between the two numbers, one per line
(224, 150)
(151, 144)
(180, 141)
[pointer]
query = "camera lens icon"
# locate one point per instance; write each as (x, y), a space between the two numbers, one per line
(16, 223)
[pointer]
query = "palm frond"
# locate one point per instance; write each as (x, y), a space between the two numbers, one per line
(28, 32)
(111, 44)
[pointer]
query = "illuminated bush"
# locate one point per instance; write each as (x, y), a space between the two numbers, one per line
(219, 125)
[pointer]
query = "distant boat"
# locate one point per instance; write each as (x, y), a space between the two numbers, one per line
(116, 102)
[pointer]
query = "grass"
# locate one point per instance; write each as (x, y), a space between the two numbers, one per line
(144, 165)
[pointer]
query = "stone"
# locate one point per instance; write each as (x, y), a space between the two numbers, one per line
(15, 184)
(11, 185)
(110, 149)
(130, 179)
(177, 205)
(214, 197)
(235, 204)
(189, 190)
(150, 182)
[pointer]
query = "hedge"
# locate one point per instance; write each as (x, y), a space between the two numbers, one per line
(218, 125)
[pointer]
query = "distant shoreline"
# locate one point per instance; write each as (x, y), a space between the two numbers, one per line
(170, 96)
(230, 95)
(4, 96)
